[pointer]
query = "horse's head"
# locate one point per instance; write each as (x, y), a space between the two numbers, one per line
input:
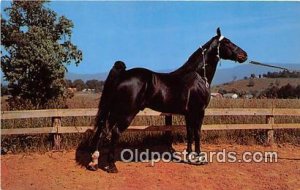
(225, 49)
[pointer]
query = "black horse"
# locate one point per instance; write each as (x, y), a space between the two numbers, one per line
(185, 91)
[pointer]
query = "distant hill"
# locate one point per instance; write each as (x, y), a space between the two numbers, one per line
(239, 72)
(260, 84)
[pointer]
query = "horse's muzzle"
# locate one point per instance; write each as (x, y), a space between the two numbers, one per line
(242, 57)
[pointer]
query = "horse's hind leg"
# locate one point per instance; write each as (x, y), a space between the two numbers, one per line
(116, 130)
(97, 142)
(112, 148)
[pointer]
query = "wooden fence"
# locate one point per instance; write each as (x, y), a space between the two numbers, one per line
(57, 114)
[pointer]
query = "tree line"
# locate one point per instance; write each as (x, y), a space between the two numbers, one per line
(282, 74)
(78, 84)
(284, 92)
(89, 84)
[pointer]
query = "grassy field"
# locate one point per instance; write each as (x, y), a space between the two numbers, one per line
(81, 100)
(91, 100)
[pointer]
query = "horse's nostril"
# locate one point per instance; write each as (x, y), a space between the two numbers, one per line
(242, 57)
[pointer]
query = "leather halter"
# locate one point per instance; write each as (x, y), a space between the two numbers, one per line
(204, 63)
(218, 47)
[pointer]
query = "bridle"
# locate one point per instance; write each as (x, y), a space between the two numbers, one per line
(218, 47)
(234, 51)
(218, 56)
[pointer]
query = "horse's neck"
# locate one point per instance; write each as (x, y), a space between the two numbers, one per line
(211, 62)
(194, 62)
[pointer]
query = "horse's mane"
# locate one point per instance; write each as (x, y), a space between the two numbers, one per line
(194, 62)
(207, 44)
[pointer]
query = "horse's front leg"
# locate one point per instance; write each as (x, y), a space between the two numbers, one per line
(197, 134)
(189, 134)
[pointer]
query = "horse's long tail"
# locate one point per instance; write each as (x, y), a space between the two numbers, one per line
(107, 93)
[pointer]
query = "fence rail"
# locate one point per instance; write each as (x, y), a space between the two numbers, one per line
(57, 114)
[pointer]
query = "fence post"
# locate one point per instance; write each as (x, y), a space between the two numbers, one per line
(169, 137)
(270, 132)
(56, 125)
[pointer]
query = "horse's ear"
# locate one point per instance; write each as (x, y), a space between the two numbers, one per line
(218, 32)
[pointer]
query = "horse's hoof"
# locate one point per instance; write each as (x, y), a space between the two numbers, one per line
(201, 160)
(112, 170)
(200, 163)
(92, 167)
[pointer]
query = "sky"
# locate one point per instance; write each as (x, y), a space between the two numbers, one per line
(162, 35)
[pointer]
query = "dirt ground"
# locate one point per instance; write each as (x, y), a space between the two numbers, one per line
(59, 170)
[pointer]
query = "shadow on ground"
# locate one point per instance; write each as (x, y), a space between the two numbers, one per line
(84, 150)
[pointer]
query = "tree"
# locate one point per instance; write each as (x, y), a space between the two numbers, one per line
(37, 47)
(92, 84)
(95, 84)
(272, 92)
(287, 91)
(79, 84)
(69, 84)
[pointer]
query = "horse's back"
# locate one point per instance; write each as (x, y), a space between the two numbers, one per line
(129, 94)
